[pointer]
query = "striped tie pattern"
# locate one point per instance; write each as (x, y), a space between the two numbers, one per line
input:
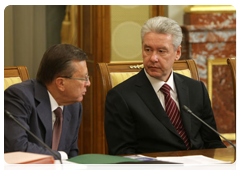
(174, 114)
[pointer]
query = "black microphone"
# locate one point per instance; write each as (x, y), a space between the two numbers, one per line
(35, 137)
(189, 111)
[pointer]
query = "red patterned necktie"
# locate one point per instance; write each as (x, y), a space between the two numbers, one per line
(174, 114)
(57, 128)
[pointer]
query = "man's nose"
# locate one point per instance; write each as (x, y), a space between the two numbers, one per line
(154, 57)
(88, 83)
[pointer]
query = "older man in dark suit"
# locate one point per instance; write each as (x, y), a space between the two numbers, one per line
(144, 114)
(62, 80)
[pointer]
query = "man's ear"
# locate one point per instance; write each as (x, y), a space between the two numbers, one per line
(178, 53)
(60, 83)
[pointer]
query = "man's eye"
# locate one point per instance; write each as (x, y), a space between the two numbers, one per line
(162, 51)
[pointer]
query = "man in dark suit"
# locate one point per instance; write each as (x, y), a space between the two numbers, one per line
(138, 114)
(62, 81)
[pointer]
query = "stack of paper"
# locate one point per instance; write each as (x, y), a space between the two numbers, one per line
(25, 160)
(195, 159)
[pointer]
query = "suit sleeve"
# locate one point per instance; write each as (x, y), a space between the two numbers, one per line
(15, 137)
(119, 125)
(210, 138)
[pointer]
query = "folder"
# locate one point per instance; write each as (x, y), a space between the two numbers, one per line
(100, 159)
(110, 162)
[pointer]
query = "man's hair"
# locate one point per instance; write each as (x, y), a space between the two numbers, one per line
(163, 25)
(57, 61)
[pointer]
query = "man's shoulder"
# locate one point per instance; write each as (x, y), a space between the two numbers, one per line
(25, 85)
(127, 83)
(26, 88)
(185, 78)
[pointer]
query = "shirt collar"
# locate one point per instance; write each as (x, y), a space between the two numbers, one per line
(53, 102)
(157, 84)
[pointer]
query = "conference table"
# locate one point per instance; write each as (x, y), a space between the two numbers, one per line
(223, 154)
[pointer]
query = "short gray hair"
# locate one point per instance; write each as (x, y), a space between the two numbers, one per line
(163, 25)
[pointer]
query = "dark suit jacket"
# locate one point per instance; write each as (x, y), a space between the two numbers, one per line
(29, 103)
(135, 121)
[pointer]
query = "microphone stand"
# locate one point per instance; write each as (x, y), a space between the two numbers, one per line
(189, 111)
(13, 118)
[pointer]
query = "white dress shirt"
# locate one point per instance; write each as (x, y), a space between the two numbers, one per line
(157, 84)
(54, 105)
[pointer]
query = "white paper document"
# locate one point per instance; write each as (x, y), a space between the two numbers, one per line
(195, 159)
(67, 165)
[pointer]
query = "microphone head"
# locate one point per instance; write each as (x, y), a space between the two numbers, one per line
(7, 112)
(185, 108)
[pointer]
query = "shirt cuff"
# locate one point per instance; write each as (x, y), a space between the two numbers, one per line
(63, 154)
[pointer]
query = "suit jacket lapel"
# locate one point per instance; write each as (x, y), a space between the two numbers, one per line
(45, 114)
(183, 98)
(66, 118)
(148, 95)
(44, 110)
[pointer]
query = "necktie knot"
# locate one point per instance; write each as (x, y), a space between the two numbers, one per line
(165, 89)
(58, 112)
